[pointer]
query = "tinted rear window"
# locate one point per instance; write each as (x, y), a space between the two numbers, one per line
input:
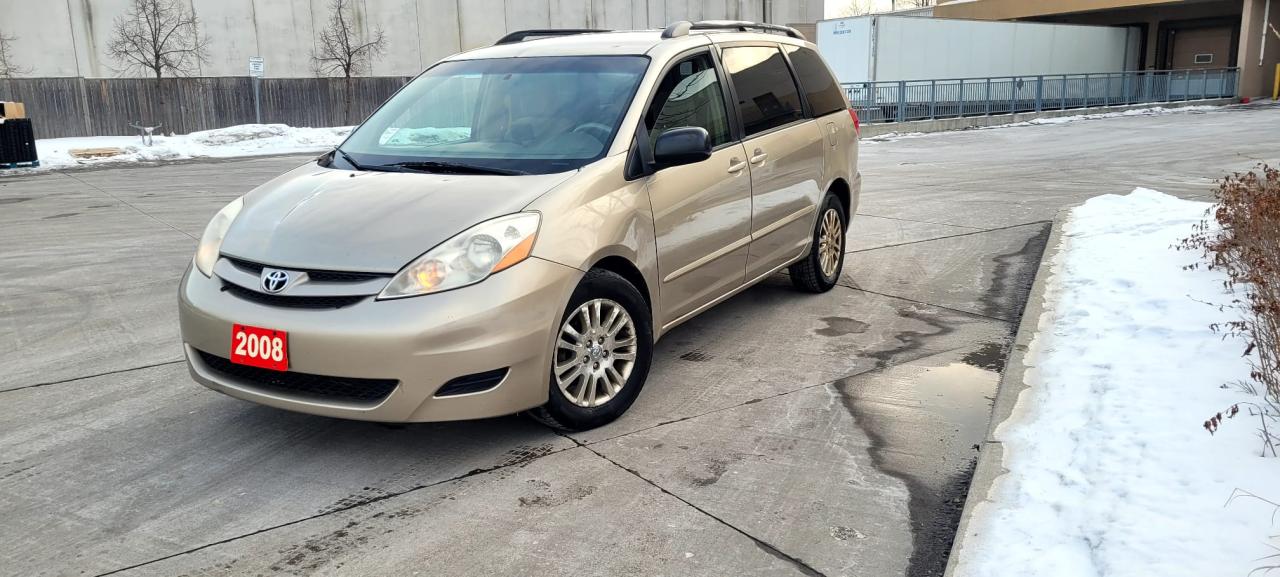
(767, 95)
(820, 89)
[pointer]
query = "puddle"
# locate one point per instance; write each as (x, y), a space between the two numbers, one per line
(925, 425)
(989, 356)
(1012, 277)
(963, 392)
(840, 326)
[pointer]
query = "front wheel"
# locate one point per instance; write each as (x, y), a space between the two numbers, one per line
(819, 270)
(603, 349)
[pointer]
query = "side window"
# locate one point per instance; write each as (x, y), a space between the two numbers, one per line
(820, 89)
(689, 95)
(767, 95)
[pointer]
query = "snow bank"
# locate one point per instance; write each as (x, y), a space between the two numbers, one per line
(1152, 111)
(242, 140)
(1110, 471)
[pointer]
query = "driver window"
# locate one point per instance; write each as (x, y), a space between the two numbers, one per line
(689, 95)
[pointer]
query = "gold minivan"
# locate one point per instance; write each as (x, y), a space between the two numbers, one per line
(516, 227)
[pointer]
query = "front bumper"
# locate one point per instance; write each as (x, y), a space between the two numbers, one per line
(506, 321)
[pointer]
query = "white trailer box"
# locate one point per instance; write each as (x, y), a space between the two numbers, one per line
(892, 48)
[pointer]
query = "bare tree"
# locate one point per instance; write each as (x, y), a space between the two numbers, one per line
(9, 67)
(343, 49)
(857, 8)
(158, 37)
(862, 7)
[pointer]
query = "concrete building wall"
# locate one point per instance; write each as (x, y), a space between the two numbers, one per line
(1015, 9)
(1246, 18)
(1150, 18)
(1258, 68)
(69, 37)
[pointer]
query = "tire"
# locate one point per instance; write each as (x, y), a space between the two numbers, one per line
(593, 383)
(808, 274)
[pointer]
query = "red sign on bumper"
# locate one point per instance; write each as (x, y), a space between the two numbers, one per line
(259, 347)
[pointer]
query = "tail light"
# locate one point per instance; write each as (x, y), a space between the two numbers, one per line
(857, 124)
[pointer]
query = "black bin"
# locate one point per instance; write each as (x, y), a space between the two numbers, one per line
(17, 142)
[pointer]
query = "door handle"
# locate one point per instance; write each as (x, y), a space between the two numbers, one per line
(758, 157)
(736, 166)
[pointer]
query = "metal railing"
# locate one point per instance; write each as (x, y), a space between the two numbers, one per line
(904, 100)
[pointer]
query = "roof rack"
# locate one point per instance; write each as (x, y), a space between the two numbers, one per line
(683, 27)
(522, 35)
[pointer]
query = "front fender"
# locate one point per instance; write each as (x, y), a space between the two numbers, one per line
(598, 214)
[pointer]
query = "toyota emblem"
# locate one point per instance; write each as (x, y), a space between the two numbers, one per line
(274, 280)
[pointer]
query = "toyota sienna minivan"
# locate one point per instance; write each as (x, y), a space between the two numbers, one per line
(515, 228)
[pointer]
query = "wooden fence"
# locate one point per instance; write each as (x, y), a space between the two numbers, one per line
(60, 107)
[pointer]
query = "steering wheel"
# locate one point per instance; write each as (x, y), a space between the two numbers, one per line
(594, 130)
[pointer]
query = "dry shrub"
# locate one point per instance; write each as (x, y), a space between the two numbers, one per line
(1245, 244)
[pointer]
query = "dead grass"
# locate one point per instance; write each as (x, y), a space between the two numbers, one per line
(1240, 236)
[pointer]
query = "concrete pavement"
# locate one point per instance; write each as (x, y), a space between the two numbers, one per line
(779, 433)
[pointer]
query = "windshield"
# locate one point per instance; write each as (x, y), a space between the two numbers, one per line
(526, 115)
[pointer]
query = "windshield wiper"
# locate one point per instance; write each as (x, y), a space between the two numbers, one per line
(442, 166)
(352, 161)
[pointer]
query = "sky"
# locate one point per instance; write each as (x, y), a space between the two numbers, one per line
(833, 8)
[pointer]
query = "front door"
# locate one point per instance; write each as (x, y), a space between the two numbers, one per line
(701, 211)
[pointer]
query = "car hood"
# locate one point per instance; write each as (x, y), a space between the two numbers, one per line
(326, 219)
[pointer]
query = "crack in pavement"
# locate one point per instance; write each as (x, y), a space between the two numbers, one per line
(327, 512)
(856, 214)
(128, 204)
(796, 562)
(928, 304)
(980, 231)
(73, 379)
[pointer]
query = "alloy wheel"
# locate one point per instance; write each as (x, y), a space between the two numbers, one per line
(595, 353)
(830, 242)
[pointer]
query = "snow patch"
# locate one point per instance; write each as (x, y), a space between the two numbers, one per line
(232, 141)
(235, 134)
(423, 136)
(1152, 111)
(1110, 472)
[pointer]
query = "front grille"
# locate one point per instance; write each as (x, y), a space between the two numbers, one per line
(297, 302)
(336, 276)
(315, 275)
(244, 265)
(363, 391)
(472, 383)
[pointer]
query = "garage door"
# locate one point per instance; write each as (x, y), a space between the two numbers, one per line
(1200, 48)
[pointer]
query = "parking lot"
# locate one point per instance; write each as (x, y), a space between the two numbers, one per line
(780, 433)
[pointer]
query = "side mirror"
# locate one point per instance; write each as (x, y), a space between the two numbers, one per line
(680, 146)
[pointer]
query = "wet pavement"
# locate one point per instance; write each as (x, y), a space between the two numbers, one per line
(780, 433)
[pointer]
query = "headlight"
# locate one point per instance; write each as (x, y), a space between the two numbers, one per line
(469, 257)
(211, 241)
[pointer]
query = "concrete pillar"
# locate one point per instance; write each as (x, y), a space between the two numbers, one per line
(1149, 61)
(1257, 70)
